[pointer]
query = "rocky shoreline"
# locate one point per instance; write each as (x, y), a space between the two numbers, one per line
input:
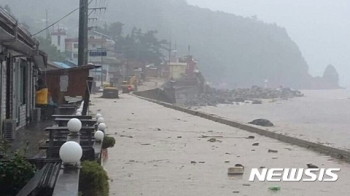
(254, 95)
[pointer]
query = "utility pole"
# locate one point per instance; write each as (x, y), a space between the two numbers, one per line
(170, 68)
(47, 24)
(83, 33)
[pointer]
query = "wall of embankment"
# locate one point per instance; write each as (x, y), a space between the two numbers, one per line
(327, 150)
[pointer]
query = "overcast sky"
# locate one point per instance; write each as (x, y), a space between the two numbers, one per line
(321, 28)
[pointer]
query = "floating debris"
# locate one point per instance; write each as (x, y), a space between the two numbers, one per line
(311, 165)
(238, 169)
(272, 151)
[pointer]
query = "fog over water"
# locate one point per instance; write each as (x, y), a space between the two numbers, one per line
(320, 27)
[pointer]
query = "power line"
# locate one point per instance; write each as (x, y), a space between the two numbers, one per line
(58, 20)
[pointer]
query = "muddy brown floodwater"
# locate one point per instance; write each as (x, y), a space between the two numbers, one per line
(156, 145)
(321, 116)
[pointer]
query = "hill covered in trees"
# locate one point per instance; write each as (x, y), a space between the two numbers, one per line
(229, 48)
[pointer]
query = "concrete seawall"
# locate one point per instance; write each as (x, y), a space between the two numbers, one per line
(334, 152)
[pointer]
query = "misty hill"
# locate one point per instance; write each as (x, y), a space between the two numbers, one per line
(232, 49)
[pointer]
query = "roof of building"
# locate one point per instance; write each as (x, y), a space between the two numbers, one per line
(62, 65)
(17, 38)
(100, 34)
(72, 63)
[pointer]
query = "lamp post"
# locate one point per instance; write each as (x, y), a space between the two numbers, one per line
(99, 135)
(100, 120)
(98, 115)
(71, 153)
(74, 125)
(101, 127)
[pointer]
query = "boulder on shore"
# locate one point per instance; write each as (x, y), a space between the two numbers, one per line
(262, 122)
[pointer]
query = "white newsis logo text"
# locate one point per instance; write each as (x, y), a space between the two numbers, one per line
(294, 174)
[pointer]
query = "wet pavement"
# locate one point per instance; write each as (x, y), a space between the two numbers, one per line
(156, 145)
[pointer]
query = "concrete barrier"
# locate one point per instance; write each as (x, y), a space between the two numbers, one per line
(327, 150)
(154, 94)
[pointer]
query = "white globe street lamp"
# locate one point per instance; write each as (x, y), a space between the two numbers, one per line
(102, 127)
(71, 152)
(98, 115)
(99, 135)
(101, 120)
(74, 125)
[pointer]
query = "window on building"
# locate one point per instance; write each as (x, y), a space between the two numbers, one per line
(75, 55)
(94, 45)
(76, 45)
(58, 40)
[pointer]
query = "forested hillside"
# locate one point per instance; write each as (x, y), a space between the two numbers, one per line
(231, 49)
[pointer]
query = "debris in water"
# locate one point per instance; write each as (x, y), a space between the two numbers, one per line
(193, 162)
(250, 137)
(212, 140)
(274, 188)
(238, 169)
(179, 136)
(235, 192)
(311, 165)
(256, 144)
(272, 151)
(126, 136)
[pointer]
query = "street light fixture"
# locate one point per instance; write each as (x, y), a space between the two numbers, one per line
(100, 120)
(99, 135)
(102, 127)
(74, 125)
(71, 153)
(98, 115)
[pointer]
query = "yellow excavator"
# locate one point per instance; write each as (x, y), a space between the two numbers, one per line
(129, 85)
(109, 91)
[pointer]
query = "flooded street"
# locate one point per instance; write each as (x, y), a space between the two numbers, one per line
(160, 152)
(321, 116)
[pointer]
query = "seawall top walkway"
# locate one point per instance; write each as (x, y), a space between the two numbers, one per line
(160, 151)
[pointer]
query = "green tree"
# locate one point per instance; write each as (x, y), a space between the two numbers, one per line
(145, 47)
(116, 30)
(51, 50)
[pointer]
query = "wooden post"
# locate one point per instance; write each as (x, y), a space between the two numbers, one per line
(89, 82)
